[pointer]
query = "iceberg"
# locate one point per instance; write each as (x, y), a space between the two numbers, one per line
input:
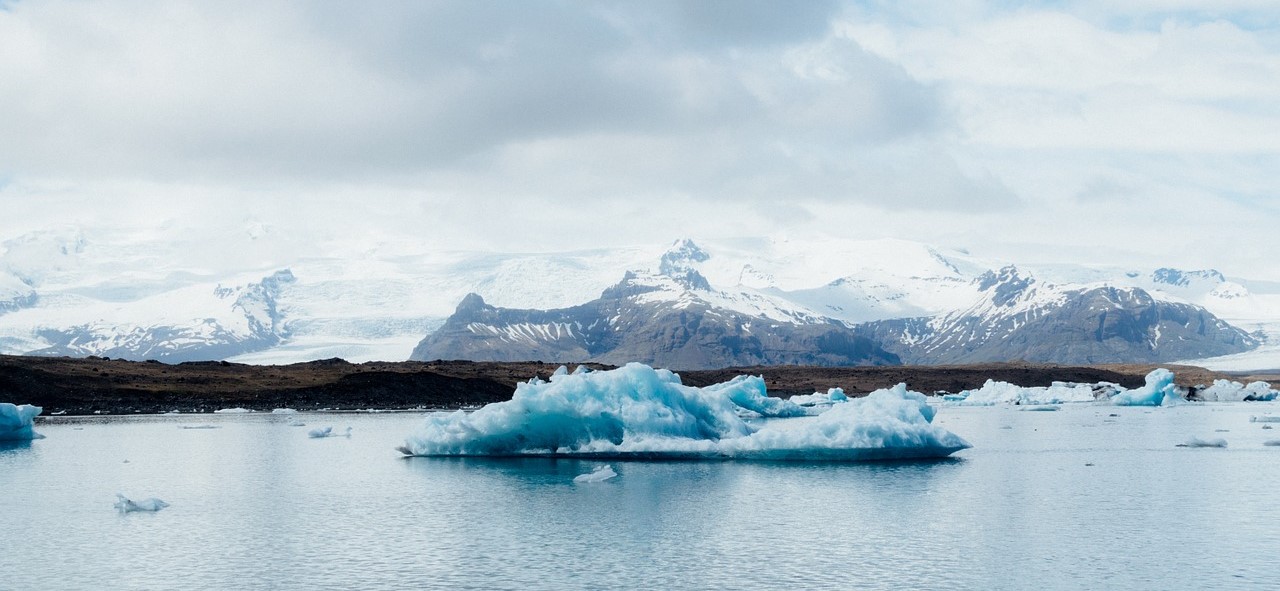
(832, 396)
(327, 432)
(16, 421)
(993, 392)
(1197, 442)
(284, 411)
(1264, 419)
(126, 505)
(637, 412)
(1159, 390)
(1231, 391)
(600, 474)
(232, 411)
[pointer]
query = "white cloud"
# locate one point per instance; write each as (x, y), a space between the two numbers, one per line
(1046, 129)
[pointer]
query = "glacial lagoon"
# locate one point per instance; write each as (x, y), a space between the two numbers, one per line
(1088, 497)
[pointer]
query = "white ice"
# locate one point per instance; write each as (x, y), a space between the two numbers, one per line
(284, 411)
(600, 474)
(232, 411)
(993, 392)
(1230, 391)
(1264, 419)
(638, 412)
(1159, 390)
(16, 421)
(126, 505)
(327, 432)
(1197, 442)
(832, 396)
(199, 427)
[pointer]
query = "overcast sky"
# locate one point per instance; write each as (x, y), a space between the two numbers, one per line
(1093, 131)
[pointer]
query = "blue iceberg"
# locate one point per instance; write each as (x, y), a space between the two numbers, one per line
(16, 421)
(637, 412)
(1159, 390)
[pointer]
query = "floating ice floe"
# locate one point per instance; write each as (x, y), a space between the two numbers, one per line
(600, 474)
(1040, 407)
(1272, 443)
(327, 432)
(993, 392)
(199, 427)
(1197, 442)
(297, 423)
(232, 411)
(16, 422)
(284, 411)
(126, 505)
(638, 412)
(1230, 391)
(1159, 390)
(1264, 419)
(832, 396)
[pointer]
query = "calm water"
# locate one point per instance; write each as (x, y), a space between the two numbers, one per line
(258, 505)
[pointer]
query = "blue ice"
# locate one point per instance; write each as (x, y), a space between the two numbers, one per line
(639, 412)
(16, 421)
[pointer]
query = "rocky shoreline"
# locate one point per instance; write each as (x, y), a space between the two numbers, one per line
(98, 386)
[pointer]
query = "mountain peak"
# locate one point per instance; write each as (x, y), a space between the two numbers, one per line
(679, 262)
(471, 303)
(1006, 284)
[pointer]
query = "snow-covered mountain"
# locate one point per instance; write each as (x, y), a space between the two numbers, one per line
(74, 291)
(673, 319)
(193, 323)
(1018, 317)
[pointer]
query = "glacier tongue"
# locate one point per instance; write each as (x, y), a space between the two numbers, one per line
(640, 412)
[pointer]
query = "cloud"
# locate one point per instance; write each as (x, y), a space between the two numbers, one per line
(461, 123)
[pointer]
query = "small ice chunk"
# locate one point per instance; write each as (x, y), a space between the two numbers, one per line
(832, 396)
(297, 424)
(600, 474)
(126, 505)
(1198, 442)
(16, 421)
(284, 411)
(1040, 407)
(1265, 419)
(199, 427)
(1272, 443)
(232, 411)
(327, 432)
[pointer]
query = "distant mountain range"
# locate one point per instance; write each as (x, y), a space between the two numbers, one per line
(688, 305)
(675, 318)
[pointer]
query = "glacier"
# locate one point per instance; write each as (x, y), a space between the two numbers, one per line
(16, 422)
(638, 412)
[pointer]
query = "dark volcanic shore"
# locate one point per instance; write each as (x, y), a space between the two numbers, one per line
(112, 386)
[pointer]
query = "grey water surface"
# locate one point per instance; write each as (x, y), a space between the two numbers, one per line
(1074, 499)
